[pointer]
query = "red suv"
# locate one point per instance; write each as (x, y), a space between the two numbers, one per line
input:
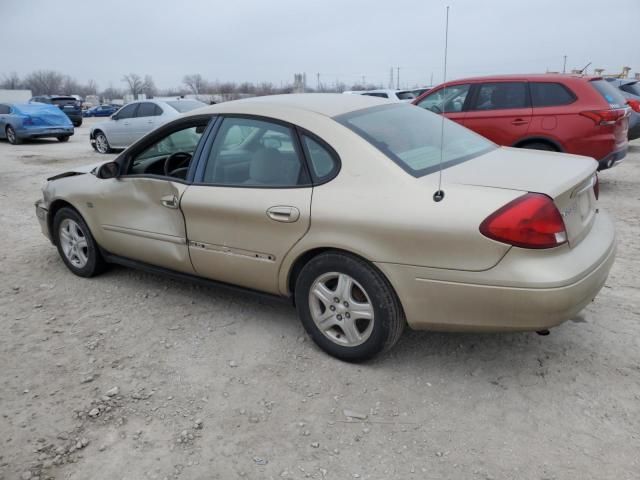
(564, 113)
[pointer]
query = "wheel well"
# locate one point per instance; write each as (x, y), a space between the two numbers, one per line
(546, 141)
(95, 132)
(53, 209)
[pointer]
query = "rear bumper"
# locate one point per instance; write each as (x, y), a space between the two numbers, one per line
(40, 132)
(612, 159)
(527, 291)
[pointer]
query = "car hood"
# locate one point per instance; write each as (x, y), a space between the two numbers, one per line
(539, 171)
(81, 170)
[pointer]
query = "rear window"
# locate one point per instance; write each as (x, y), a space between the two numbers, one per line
(185, 105)
(611, 95)
(411, 137)
(547, 94)
(633, 88)
(406, 95)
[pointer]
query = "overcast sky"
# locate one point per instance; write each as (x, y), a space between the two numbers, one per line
(270, 40)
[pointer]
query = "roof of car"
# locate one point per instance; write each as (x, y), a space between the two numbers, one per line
(328, 104)
(527, 76)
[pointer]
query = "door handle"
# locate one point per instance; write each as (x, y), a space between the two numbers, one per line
(283, 214)
(519, 121)
(169, 201)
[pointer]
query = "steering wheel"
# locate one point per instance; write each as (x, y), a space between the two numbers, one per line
(176, 161)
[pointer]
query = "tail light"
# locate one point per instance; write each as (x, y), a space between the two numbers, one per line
(634, 104)
(529, 221)
(596, 187)
(605, 117)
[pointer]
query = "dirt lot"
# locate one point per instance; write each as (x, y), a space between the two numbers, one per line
(133, 376)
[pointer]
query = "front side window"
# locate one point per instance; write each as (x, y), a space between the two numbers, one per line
(170, 155)
(254, 153)
(448, 99)
(411, 137)
(548, 94)
(127, 111)
(502, 96)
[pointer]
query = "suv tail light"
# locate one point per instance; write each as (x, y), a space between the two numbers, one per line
(605, 117)
(634, 104)
(529, 221)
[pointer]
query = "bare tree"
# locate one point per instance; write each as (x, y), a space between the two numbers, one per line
(149, 87)
(195, 83)
(111, 93)
(134, 84)
(11, 81)
(43, 82)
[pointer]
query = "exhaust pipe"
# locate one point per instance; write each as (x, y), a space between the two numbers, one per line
(543, 333)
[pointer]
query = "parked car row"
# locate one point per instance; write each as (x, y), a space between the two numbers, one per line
(564, 113)
(513, 240)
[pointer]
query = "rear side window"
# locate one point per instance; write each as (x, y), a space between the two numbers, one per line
(610, 93)
(502, 96)
(146, 110)
(547, 94)
(4, 109)
(323, 162)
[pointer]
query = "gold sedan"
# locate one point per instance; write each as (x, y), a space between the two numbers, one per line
(369, 215)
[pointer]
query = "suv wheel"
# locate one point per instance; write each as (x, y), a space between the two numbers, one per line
(63, 138)
(347, 307)
(539, 146)
(76, 245)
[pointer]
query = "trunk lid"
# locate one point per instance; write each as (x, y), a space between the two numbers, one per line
(567, 179)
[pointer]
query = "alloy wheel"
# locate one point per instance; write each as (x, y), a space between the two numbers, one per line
(102, 145)
(74, 243)
(341, 309)
(11, 135)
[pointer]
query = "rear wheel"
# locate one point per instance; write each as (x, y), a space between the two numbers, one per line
(348, 307)
(76, 245)
(77, 123)
(539, 146)
(101, 143)
(63, 138)
(12, 137)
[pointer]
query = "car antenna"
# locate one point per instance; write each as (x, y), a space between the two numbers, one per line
(439, 194)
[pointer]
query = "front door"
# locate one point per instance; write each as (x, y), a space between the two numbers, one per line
(250, 204)
(501, 112)
(139, 212)
(451, 100)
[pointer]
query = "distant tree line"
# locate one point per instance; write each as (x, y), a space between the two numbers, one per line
(43, 82)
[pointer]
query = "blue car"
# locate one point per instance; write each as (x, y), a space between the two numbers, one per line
(100, 111)
(21, 121)
(630, 89)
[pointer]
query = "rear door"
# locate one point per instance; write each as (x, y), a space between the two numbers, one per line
(500, 111)
(144, 121)
(250, 202)
(453, 100)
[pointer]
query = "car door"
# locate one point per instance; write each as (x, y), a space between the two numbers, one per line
(250, 203)
(118, 130)
(451, 99)
(500, 111)
(138, 212)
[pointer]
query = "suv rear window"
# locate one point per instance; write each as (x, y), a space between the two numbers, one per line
(64, 101)
(412, 137)
(610, 93)
(547, 94)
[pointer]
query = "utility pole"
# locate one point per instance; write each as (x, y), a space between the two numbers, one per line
(431, 81)
(564, 65)
(391, 77)
(318, 81)
(398, 78)
(363, 82)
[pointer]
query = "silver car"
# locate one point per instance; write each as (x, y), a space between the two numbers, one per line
(135, 120)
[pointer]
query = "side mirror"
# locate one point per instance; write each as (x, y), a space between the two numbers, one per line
(114, 117)
(109, 170)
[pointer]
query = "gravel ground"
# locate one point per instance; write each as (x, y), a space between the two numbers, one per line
(134, 376)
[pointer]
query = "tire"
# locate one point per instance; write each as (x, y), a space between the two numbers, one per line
(539, 146)
(77, 124)
(101, 144)
(77, 248)
(12, 137)
(370, 294)
(63, 138)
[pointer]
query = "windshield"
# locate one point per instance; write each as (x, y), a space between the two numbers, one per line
(411, 137)
(186, 105)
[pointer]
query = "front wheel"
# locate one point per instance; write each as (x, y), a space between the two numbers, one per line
(76, 245)
(101, 143)
(63, 138)
(348, 307)
(12, 137)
